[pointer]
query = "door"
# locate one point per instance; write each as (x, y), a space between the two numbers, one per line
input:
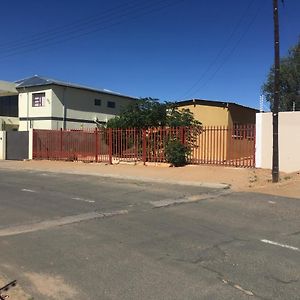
(17, 143)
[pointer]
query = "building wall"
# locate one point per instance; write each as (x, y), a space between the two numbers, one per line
(2, 145)
(28, 114)
(289, 141)
(78, 107)
(209, 115)
(67, 108)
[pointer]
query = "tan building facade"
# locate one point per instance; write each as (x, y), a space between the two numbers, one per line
(219, 113)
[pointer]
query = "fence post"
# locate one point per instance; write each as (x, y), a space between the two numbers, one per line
(144, 145)
(110, 144)
(182, 138)
(61, 143)
(30, 143)
(96, 145)
(253, 134)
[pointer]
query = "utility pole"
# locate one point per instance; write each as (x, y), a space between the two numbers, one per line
(275, 162)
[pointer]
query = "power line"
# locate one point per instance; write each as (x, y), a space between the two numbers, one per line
(221, 51)
(107, 21)
(225, 60)
(72, 27)
(60, 29)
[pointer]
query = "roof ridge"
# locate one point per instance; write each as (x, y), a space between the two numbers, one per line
(48, 81)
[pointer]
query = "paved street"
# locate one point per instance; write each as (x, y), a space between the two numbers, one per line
(66, 236)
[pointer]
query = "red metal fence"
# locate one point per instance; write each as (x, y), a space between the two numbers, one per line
(217, 145)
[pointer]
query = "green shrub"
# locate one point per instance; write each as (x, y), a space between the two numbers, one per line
(176, 153)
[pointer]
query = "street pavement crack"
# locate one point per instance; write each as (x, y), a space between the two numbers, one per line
(283, 281)
(232, 284)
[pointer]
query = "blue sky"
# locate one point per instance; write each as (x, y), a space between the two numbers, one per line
(166, 49)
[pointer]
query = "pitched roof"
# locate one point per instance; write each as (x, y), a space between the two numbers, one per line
(212, 103)
(37, 80)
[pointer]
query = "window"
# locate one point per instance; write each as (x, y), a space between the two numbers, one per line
(9, 106)
(38, 99)
(97, 102)
(111, 104)
(242, 131)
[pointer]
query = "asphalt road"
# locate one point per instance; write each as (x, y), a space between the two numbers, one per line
(85, 237)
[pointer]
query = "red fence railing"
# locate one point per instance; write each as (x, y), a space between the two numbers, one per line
(217, 145)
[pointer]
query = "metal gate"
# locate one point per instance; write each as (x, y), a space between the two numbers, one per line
(17, 143)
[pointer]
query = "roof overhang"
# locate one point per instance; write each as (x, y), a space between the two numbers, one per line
(8, 88)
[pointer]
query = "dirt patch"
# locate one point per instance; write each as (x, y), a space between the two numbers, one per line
(288, 186)
(52, 287)
(15, 293)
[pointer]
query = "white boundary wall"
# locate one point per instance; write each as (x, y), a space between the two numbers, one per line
(289, 141)
(2, 145)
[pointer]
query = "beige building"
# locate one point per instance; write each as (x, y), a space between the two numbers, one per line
(221, 140)
(219, 113)
(43, 103)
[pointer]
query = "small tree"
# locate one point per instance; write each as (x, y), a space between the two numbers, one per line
(289, 81)
(143, 113)
(148, 113)
(176, 153)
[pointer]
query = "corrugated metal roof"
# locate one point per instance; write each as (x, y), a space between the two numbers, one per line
(37, 80)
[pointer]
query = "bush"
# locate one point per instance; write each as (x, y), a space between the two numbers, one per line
(176, 153)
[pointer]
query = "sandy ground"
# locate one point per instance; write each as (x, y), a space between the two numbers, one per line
(240, 179)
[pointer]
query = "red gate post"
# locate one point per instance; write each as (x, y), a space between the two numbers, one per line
(182, 137)
(110, 144)
(144, 145)
(96, 145)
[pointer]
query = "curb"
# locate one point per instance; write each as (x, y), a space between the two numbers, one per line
(133, 178)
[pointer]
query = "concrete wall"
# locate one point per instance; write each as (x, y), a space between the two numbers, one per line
(67, 108)
(289, 141)
(213, 115)
(2, 145)
(209, 115)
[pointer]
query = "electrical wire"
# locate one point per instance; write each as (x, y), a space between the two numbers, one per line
(225, 60)
(220, 52)
(73, 26)
(109, 19)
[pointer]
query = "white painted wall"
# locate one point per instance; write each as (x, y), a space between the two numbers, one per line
(26, 110)
(80, 105)
(30, 144)
(2, 145)
(77, 105)
(289, 141)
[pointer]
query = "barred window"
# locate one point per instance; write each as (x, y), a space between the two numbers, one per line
(38, 99)
(97, 102)
(111, 104)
